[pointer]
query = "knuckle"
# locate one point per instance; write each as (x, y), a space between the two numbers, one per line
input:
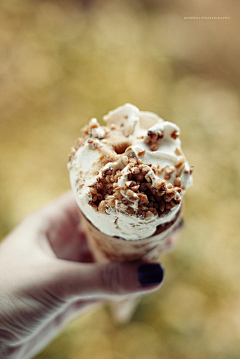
(112, 279)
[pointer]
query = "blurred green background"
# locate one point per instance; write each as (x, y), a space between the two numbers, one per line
(63, 62)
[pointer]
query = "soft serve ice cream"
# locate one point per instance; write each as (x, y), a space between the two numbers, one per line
(129, 177)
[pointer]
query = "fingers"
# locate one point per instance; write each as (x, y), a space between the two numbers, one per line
(92, 280)
(59, 222)
(61, 211)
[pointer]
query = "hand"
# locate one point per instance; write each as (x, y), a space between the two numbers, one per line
(47, 274)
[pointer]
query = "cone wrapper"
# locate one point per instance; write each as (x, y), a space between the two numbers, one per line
(106, 249)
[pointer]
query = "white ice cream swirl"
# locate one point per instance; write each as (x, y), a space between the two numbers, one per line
(129, 177)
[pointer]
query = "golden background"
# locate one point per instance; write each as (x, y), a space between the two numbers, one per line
(63, 62)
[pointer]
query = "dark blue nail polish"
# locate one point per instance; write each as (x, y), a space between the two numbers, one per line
(150, 274)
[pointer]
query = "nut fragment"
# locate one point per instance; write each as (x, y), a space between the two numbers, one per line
(145, 170)
(129, 193)
(129, 183)
(169, 169)
(177, 182)
(154, 146)
(142, 198)
(148, 178)
(93, 190)
(179, 161)
(135, 170)
(149, 214)
(102, 207)
(135, 188)
(175, 134)
(167, 177)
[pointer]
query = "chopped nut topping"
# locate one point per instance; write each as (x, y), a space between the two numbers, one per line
(179, 161)
(169, 169)
(99, 186)
(177, 182)
(180, 169)
(168, 196)
(148, 178)
(92, 205)
(149, 214)
(135, 188)
(93, 190)
(129, 193)
(72, 153)
(135, 170)
(178, 152)
(142, 198)
(145, 170)
(102, 207)
(141, 153)
(154, 146)
(153, 198)
(167, 177)
(129, 183)
(175, 134)
(152, 139)
(152, 195)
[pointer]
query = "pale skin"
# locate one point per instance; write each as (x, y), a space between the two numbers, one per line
(48, 275)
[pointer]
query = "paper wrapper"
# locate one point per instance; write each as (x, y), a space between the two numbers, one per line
(106, 249)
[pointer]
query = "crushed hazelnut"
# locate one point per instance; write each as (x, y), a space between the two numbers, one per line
(175, 134)
(151, 197)
(169, 169)
(135, 170)
(148, 178)
(154, 146)
(167, 177)
(149, 214)
(177, 182)
(145, 170)
(179, 161)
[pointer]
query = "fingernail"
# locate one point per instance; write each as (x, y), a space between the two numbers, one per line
(150, 274)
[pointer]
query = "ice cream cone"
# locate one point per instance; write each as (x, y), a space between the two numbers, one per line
(106, 249)
(129, 178)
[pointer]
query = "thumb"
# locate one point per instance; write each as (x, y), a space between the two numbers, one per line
(95, 280)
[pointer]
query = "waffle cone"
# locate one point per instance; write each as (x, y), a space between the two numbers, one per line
(106, 248)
